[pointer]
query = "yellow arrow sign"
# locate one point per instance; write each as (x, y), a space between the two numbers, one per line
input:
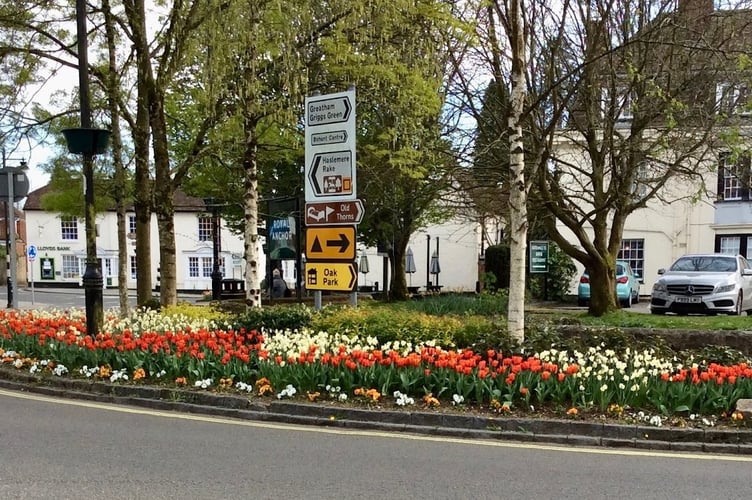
(330, 243)
(331, 276)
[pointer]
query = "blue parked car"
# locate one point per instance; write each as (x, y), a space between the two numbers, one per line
(627, 286)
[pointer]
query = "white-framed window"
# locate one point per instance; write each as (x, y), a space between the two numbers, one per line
(642, 180)
(749, 248)
(207, 265)
(71, 267)
(731, 178)
(204, 228)
(202, 266)
(623, 104)
(133, 267)
(633, 252)
(730, 245)
(733, 98)
(193, 267)
(132, 224)
(68, 228)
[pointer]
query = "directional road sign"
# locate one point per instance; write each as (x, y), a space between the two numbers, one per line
(331, 174)
(325, 138)
(332, 108)
(330, 243)
(340, 276)
(31, 252)
(334, 213)
(330, 147)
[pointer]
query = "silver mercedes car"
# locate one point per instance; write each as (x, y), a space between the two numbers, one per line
(704, 284)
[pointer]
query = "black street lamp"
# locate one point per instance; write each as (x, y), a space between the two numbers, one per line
(16, 187)
(88, 142)
(216, 275)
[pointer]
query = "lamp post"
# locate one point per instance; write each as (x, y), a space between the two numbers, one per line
(216, 275)
(17, 188)
(88, 142)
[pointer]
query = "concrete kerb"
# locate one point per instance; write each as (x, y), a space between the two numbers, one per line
(551, 431)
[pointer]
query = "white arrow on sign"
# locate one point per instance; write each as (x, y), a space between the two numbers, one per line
(334, 213)
(331, 174)
(328, 110)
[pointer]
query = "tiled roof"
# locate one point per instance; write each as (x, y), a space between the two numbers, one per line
(182, 202)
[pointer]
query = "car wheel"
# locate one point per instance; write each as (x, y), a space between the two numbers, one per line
(636, 298)
(626, 304)
(657, 311)
(581, 302)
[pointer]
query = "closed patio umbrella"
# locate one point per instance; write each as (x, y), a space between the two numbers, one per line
(435, 267)
(363, 266)
(410, 264)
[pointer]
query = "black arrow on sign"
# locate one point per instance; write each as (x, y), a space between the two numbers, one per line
(348, 108)
(343, 243)
(314, 172)
(353, 277)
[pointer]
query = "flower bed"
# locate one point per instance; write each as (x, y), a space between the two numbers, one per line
(150, 348)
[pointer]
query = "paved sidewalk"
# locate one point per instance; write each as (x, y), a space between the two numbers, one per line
(555, 431)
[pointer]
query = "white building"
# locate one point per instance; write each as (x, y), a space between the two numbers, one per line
(61, 246)
(457, 245)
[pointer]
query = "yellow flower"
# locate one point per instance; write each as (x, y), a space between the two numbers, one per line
(572, 411)
(264, 389)
(373, 394)
(312, 396)
(430, 400)
(138, 374)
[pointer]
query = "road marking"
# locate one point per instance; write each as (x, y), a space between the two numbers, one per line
(368, 433)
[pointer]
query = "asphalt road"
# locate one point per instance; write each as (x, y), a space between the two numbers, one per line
(63, 298)
(59, 448)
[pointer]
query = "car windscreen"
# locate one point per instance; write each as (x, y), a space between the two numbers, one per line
(705, 264)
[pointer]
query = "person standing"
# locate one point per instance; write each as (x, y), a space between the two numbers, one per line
(279, 286)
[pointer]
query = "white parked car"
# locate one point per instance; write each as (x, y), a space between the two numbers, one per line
(704, 284)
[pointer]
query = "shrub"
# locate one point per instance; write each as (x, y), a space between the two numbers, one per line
(481, 334)
(486, 304)
(389, 325)
(274, 318)
(553, 285)
(497, 263)
(190, 311)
